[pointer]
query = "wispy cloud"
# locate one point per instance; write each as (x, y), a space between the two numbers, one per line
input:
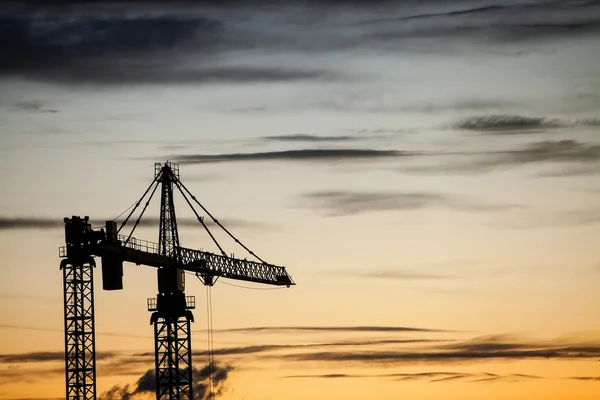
(268, 348)
(33, 106)
(400, 274)
(568, 155)
(342, 203)
(42, 329)
(479, 349)
(514, 124)
(431, 377)
(13, 223)
(268, 329)
(294, 155)
(586, 378)
(300, 137)
(43, 356)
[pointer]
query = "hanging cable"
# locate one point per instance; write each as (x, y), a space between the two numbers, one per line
(210, 342)
(137, 204)
(218, 223)
(142, 213)
(251, 288)
(128, 208)
(178, 184)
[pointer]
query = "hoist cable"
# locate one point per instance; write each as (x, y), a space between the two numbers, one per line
(210, 343)
(219, 224)
(141, 214)
(137, 204)
(178, 184)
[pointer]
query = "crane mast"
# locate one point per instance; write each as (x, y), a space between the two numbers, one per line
(171, 313)
(171, 309)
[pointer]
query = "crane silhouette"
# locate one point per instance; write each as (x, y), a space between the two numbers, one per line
(171, 309)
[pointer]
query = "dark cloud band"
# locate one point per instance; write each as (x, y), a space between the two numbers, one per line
(294, 155)
(13, 223)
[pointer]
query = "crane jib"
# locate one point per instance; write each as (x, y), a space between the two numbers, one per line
(196, 261)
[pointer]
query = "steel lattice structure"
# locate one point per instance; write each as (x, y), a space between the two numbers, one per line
(80, 352)
(171, 309)
(171, 316)
(172, 346)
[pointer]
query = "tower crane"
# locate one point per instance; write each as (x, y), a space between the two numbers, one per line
(171, 308)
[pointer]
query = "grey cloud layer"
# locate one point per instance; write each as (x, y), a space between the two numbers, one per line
(161, 42)
(72, 46)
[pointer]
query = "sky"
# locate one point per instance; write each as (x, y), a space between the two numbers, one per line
(427, 172)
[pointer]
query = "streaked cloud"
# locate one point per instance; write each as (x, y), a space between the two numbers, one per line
(268, 348)
(586, 378)
(566, 157)
(342, 203)
(513, 124)
(294, 155)
(431, 377)
(44, 356)
(98, 333)
(476, 350)
(14, 223)
(33, 106)
(400, 273)
(284, 329)
(277, 347)
(300, 137)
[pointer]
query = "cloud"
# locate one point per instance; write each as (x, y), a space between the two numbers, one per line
(43, 356)
(552, 151)
(276, 347)
(34, 328)
(14, 223)
(508, 124)
(342, 203)
(574, 157)
(128, 42)
(310, 138)
(401, 274)
(146, 384)
(586, 378)
(33, 106)
(294, 155)
(128, 45)
(476, 350)
(285, 329)
(572, 170)
(431, 377)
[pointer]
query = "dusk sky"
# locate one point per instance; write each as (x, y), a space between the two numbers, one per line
(427, 171)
